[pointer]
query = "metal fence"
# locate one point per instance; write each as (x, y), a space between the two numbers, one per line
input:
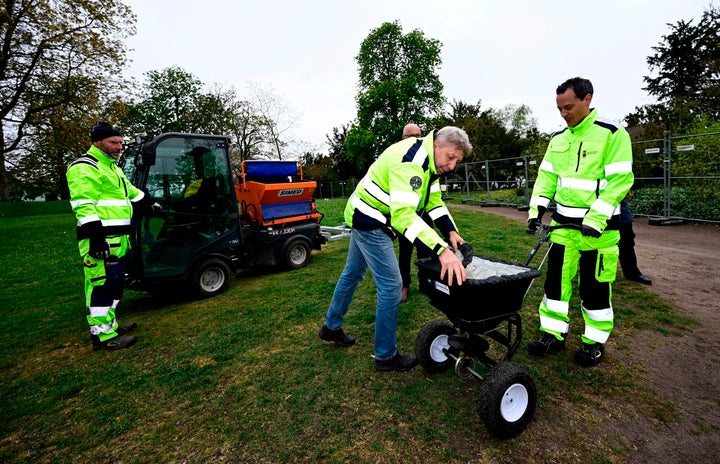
(676, 178)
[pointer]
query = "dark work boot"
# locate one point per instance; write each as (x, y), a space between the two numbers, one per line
(115, 343)
(590, 354)
(546, 345)
(398, 363)
(338, 336)
(126, 328)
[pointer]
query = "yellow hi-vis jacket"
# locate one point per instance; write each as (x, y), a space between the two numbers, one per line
(401, 183)
(100, 195)
(587, 171)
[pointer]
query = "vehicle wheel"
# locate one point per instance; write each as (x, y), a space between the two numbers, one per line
(297, 254)
(430, 343)
(507, 399)
(211, 278)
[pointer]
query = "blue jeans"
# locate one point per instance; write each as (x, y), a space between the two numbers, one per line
(373, 249)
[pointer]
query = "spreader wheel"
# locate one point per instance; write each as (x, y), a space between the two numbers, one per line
(430, 344)
(507, 399)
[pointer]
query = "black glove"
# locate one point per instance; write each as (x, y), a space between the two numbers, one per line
(99, 247)
(588, 231)
(467, 251)
(155, 207)
(148, 206)
(534, 223)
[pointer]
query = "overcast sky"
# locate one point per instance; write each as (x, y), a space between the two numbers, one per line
(498, 52)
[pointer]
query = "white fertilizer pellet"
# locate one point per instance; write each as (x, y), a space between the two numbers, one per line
(480, 269)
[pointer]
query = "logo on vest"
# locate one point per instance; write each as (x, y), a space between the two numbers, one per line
(415, 182)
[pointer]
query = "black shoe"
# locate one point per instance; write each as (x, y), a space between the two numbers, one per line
(126, 328)
(590, 354)
(115, 343)
(338, 336)
(398, 363)
(641, 278)
(546, 345)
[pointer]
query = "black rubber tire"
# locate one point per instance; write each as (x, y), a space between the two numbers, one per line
(507, 399)
(429, 343)
(211, 278)
(297, 254)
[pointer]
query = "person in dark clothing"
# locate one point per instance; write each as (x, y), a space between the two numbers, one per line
(405, 248)
(628, 260)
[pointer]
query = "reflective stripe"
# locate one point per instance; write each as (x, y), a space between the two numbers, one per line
(620, 167)
(556, 306)
(116, 222)
(547, 166)
(571, 212)
(577, 184)
(101, 329)
(554, 325)
(603, 207)
(435, 188)
(86, 219)
(598, 336)
(415, 228)
(539, 201)
(405, 198)
(114, 203)
(599, 315)
(99, 311)
(373, 189)
(438, 213)
(76, 203)
(420, 156)
(602, 184)
(368, 210)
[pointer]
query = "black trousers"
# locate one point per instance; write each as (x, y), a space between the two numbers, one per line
(405, 250)
(628, 260)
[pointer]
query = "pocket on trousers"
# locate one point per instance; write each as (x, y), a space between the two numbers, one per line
(606, 264)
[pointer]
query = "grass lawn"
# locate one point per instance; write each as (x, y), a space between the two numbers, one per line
(243, 377)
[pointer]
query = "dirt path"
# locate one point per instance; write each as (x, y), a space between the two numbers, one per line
(684, 263)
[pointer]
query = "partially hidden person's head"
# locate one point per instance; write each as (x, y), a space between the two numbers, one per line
(573, 100)
(450, 145)
(411, 130)
(107, 138)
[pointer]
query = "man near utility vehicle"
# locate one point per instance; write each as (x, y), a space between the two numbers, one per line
(101, 198)
(586, 171)
(401, 182)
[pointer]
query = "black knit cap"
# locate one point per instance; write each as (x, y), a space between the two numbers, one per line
(103, 130)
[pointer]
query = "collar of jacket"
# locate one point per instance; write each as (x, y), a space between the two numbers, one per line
(100, 155)
(585, 123)
(428, 145)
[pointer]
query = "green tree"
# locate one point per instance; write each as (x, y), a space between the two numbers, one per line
(687, 75)
(54, 53)
(398, 84)
(168, 102)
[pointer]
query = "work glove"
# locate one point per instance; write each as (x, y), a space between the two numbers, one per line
(534, 223)
(155, 208)
(148, 206)
(99, 247)
(588, 231)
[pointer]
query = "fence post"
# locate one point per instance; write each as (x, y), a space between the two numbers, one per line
(667, 169)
